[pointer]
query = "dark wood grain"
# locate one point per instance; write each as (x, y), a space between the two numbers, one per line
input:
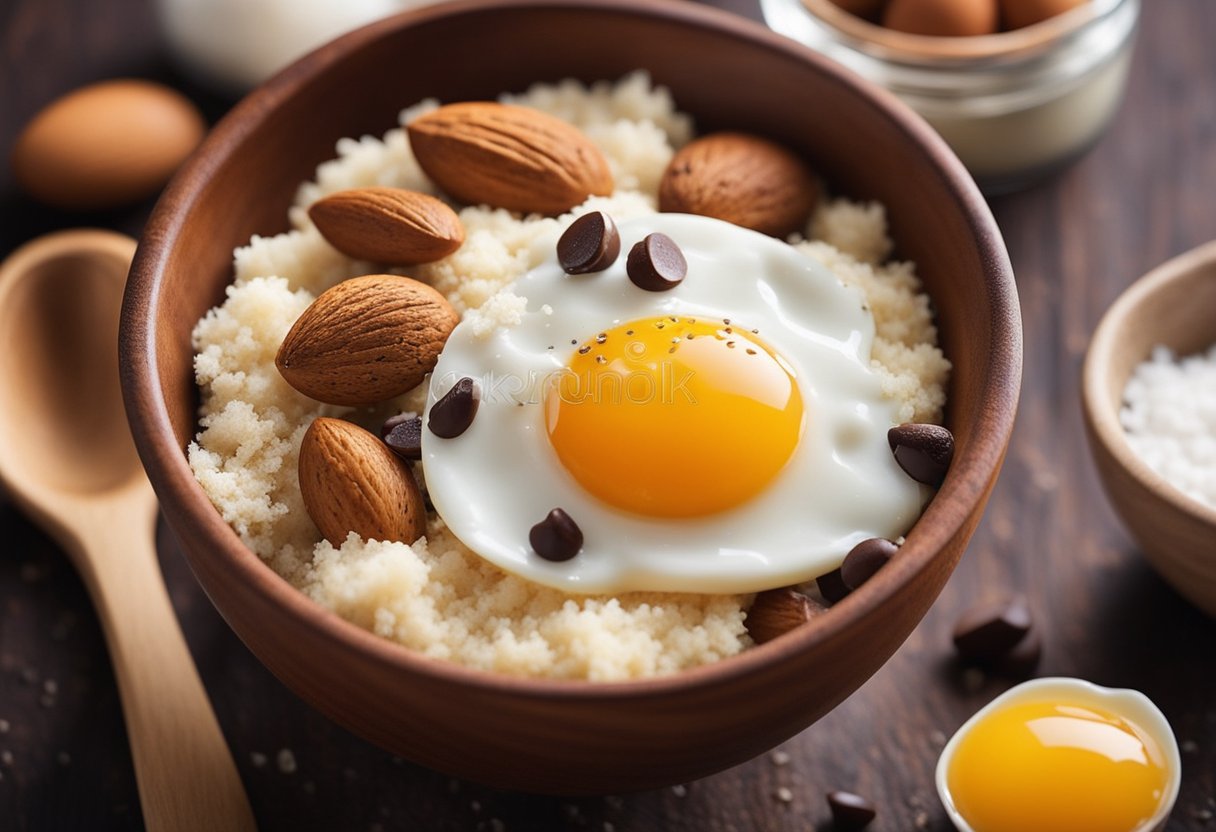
(1144, 194)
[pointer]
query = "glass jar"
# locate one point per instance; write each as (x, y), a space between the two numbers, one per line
(1014, 106)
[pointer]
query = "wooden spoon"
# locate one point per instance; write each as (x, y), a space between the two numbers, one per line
(66, 457)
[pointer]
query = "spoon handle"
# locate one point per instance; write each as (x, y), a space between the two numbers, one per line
(186, 775)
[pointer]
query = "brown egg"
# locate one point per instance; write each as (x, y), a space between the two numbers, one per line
(951, 18)
(106, 145)
(1018, 13)
(861, 8)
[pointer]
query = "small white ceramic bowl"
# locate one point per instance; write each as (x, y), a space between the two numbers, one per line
(1128, 703)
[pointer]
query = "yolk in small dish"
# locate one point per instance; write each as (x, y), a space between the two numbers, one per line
(674, 416)
(1052, 767)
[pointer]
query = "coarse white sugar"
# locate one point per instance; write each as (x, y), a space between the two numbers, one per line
(1169, 414)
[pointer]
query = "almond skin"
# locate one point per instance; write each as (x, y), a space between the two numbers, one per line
(776, 612)
(508, 156)
(388, 225)
(942, 18)
(1018, 13)
(742, 179)
(352, 482)
(366, 340)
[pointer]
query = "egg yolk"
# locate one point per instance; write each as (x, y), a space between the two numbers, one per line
(674, 416)
(1051, 767)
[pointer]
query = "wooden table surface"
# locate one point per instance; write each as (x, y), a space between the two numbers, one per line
(1146, 193)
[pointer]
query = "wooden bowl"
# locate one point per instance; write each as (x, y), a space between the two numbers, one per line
(1173, 305)
(547, 736)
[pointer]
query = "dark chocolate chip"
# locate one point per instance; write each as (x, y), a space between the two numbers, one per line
(392, 422)
(557, 537)
(590, 244)
(656, 264)
(850, 812)
(990, 630)
(831, 587)
(776, 612)
(923, 451)
(1020, 662)
(864, 559)
(404, 436)
(454, 412)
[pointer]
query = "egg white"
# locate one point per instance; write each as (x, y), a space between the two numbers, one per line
(842, 485)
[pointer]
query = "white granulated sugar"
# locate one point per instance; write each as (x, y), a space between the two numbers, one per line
(436, 596)
(1169, 414)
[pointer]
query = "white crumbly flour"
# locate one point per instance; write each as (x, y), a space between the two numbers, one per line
(1169, 414)
(437, 597)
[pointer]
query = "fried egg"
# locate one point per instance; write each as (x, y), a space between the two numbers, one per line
(725, 436)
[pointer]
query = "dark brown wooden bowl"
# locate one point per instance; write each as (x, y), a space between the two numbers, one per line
(565, 737)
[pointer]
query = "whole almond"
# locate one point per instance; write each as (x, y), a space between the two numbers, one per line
(366, 340)
(942, 18)
(1018, 13)
(743, 179)
(509, 157)
(352, 482)
(388, 225)
(776, 612)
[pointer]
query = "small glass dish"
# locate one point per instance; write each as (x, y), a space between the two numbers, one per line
(1015, 106)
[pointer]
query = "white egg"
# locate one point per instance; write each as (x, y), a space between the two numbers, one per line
(752, 458)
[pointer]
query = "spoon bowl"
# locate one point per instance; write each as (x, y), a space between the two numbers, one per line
(67, 459)
(63, 427)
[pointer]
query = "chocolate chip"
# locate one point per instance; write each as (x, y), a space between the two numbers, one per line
(990, 630)
(1021, 661)
(557, 537)
(864, 559)
(923, 451)
(392, 422)
(404, 436)
(656, 264)
(454, 412)
(850, 811)
(831, 587)
(776, 612)
(590, 244)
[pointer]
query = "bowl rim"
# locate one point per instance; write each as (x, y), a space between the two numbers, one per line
(971, 477)
(1096, 371)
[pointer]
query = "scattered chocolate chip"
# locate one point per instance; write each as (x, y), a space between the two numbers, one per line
(404, 436)
(987, 631)
(590, 244)
(864, 559)
(557, 537)
(850, 811)
(776, 612)
(923, 451)
(656, 264)
(831, 587)
(1021, 661)
(392, 422)
(454, 412)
